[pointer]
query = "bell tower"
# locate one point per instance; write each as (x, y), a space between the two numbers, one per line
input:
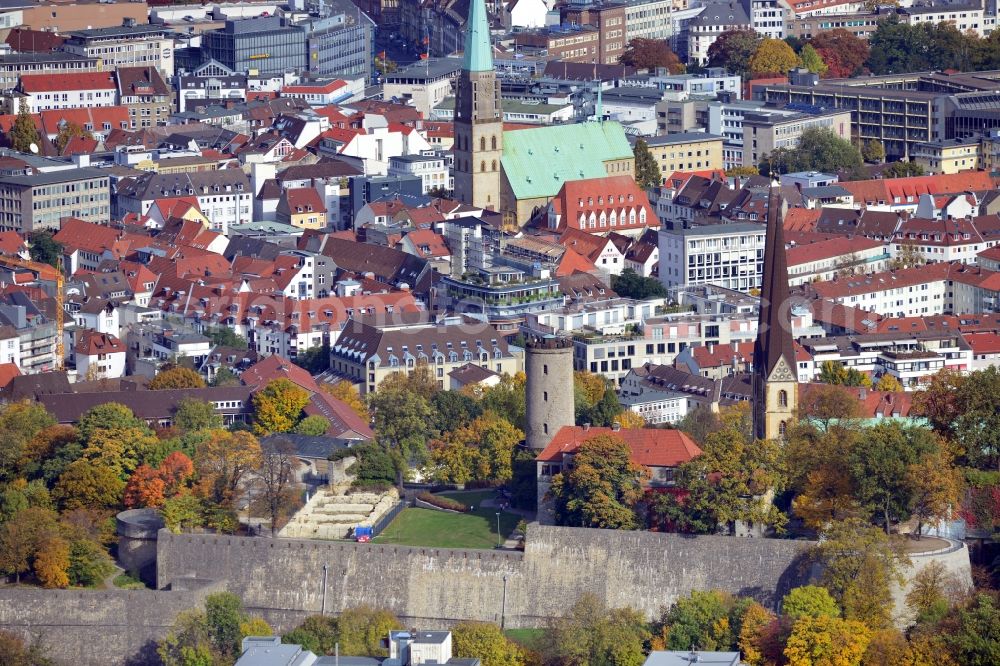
(775, 372)
(478, 117)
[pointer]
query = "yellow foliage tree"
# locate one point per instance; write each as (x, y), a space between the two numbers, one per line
(278, 406)
(827, 641)
(629, 419)
(223, 461)
(176, 378)
(936, 486)
(590, 385)
(773, 56)
(889, 383)
(52, 562)
(755, 622)
(255, 626)
(482, 450)
(347, 394)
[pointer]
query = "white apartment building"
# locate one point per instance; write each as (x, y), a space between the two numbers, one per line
(431, 169)
(767, 17)
(822, 260)
(965, 18)
(648, 19)
(912, 358)
(726, 255)
(43, 92)
(127, 45)
(224, 196)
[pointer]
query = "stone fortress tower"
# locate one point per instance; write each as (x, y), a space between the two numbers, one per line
(549, 389)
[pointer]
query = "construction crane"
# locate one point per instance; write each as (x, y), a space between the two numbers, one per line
(41, 270)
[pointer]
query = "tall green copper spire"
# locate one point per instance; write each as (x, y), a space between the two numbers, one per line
(478, 48)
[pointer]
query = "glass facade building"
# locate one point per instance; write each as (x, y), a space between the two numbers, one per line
(265, 44)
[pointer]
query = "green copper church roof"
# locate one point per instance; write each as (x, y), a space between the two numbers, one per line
(478, 47)
(536, 162)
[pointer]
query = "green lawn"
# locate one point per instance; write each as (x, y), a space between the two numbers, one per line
(533, 639)
(439, 529)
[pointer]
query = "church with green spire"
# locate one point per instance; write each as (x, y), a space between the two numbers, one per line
(478, 143)
(518, 171)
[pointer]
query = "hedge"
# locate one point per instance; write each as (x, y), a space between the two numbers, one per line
(442, 502)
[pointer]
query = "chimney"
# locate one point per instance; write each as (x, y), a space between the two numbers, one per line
(711, 348)
(864, 393)
(586, 427)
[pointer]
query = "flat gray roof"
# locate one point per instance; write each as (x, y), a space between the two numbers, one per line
(719, 229)
(681, 137)
(52, 177)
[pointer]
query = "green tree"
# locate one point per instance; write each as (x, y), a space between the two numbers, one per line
(812, 60)
(733, 50)
(592, 634)
(224, 613)
(453, 409)
(278, 407)
(316, 359)
(859, 565)
(730, 481)
(809, 601)
(647, 171)
(651, 54)
(225, 377)
(44, 249)
(699, 622)
(109, 416)
(486, 642)
(313, 426)
(630, 284)
(183, 512)
(375, 465)
(189, 642)
(403, 419)
(930, 591)
(224, 336)
(977, 424)
(819, 149)
(176, 378)
(24, 134)
(903, 169)
(193, 415)
(362, 630)
(975, 640)
(20, 423)
(879, 464)
(602, 487)
(873, 151)
(89, 564)
(317, 633)
(507, 397)
(773, 57)
(69, 131)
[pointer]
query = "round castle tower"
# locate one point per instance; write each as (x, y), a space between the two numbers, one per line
(549, 389)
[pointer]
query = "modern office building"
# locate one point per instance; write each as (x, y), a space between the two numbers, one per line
(686, 151)
(41, 200)
(267, 45)
(726, 255)
(340, 44)
(766, 130)
(13, 65)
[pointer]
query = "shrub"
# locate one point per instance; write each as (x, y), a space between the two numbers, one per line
(442, 502)
(370, 487)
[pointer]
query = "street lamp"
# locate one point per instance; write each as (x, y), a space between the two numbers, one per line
(499, 543)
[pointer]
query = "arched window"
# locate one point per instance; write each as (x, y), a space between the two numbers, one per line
(494, 165)
(482, 165)
(783, 398)
(482, 143)
(782, 428)
(493, 143)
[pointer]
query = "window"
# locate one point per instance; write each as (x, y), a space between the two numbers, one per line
(783, 398)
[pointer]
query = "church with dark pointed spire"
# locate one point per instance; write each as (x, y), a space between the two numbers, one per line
(775, 371)
(478, 143)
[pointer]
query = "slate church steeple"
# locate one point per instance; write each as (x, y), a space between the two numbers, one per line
(775, 372)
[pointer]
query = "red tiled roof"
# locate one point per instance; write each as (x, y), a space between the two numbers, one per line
(620, 196)
(991, 253)
(304, 200)
(872, 404)
(40, 83)
(265, 371)
(908, 190)
(11, 242)
(7, 373)
(983, 343)
(650, 447)
(434, 244)
(82, 235)
(571, 262)
(589, 245)
(79, 145)
(801, 219)
(91, 343)
(336, 84)
(866, 284)
(828, 249)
